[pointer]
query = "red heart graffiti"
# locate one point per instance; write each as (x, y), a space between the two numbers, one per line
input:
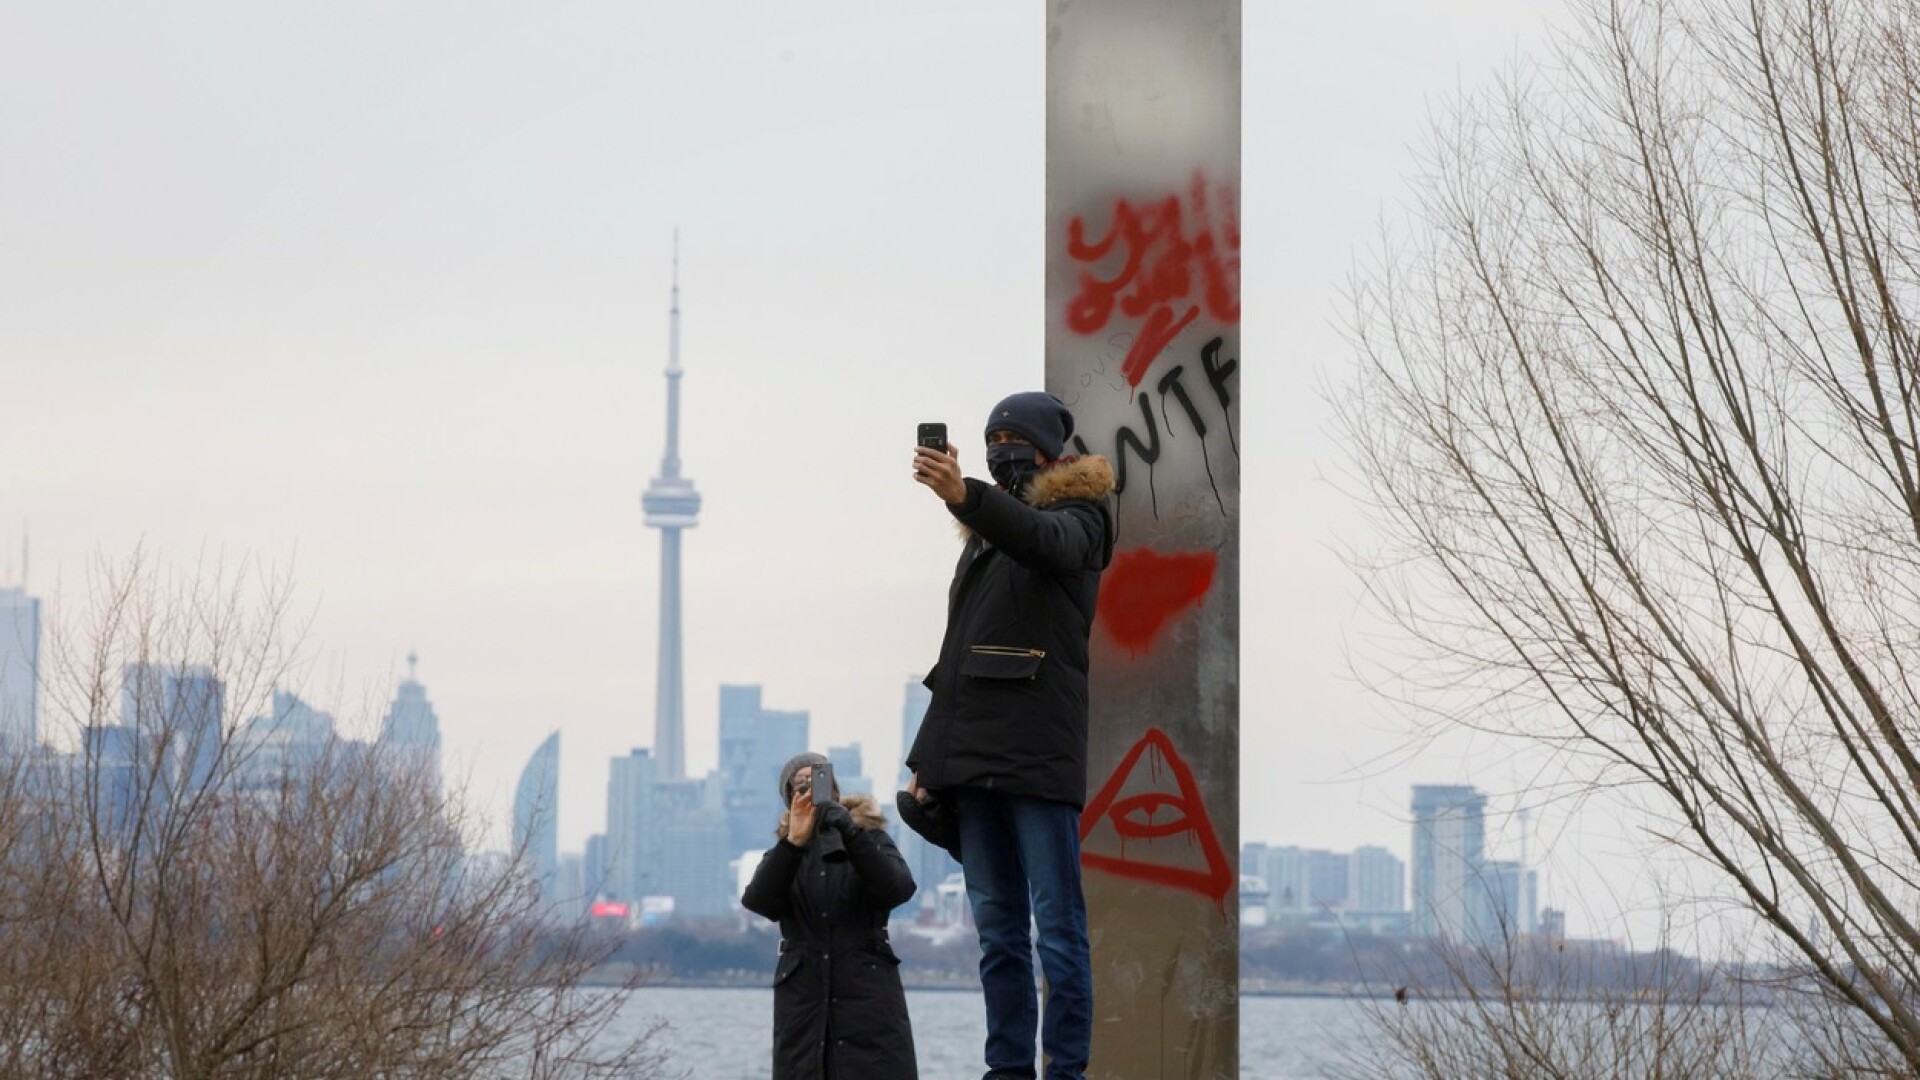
(1143, 589)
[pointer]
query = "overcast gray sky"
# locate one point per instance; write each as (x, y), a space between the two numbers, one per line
(381, 291)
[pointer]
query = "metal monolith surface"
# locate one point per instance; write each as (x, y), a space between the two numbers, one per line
(1143, 314)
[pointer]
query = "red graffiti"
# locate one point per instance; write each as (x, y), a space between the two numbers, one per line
(1143, 589)
(1197, 866)
(1175, 259)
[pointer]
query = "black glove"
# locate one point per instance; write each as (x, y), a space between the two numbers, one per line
(835, 816)
(932, 819)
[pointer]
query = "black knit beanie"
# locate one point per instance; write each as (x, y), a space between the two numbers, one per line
(1040, 417)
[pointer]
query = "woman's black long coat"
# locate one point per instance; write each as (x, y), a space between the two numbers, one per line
(839, 1012)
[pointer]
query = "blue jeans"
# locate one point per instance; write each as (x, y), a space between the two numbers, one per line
(1021, 857)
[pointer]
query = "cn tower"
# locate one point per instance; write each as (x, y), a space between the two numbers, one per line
(671, 505)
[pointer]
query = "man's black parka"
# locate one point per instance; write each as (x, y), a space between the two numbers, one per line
(1009, 709)
(839, 1012)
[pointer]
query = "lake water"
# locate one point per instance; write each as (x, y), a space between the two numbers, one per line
(725, 1034)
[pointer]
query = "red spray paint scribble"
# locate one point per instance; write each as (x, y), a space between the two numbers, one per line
(1169, 271)
(1133, 818)
(1143, 589)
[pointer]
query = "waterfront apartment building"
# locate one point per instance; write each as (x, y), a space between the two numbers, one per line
(1377, 880)
(1450, 898)
(1513, 893)
(1311, 885)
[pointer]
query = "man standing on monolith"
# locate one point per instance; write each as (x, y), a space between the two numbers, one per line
(1003, 747)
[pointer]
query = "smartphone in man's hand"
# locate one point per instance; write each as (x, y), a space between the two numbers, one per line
(933, 436)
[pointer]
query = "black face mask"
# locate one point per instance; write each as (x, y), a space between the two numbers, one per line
(1012, 466)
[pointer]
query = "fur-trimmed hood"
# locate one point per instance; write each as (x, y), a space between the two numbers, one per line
(864, 808)
(1089, 477)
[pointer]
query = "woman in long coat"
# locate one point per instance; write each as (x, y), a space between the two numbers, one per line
(839, 1012)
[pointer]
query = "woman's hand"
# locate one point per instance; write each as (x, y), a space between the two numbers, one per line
(801, 817)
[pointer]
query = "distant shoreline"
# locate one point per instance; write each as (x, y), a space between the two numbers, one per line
(758, 981)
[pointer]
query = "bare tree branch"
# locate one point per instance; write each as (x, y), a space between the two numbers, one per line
(1640, 412)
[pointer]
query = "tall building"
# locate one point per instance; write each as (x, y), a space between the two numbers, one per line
(848, 774)
(1253, 859)
(930, 865)
(109, 756)
(630, 781)
(1449, 854)
(754, 742)
(1302, 880)
(690, 857)
(19, 669)
(536, 818)
(410, 732)
(1289, 885)
(1379, 881)
(671, 505)
(669, 836)
(1512, 899)
(594, 878)
(1553, 924)
(182, 707)
(1328, 874)
(666, 838)
(569, 900)
(287, 742)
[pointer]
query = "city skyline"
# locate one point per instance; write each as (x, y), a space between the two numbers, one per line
(411, 724)
(399, 334)
(1450, 888)
(1456, 889)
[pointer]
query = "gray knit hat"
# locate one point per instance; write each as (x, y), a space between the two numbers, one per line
(795, 764)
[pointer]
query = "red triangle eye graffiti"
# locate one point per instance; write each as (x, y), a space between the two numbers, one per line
(1143, 835)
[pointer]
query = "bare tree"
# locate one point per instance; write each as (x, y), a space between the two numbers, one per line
(180, 899)
(1527, 1006)
(1640, 412)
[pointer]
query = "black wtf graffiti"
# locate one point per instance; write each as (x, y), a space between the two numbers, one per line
(1129, 442)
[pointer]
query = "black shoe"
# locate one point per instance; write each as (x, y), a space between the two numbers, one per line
(932, 819)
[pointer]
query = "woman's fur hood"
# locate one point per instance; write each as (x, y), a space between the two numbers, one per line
(864, 808)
